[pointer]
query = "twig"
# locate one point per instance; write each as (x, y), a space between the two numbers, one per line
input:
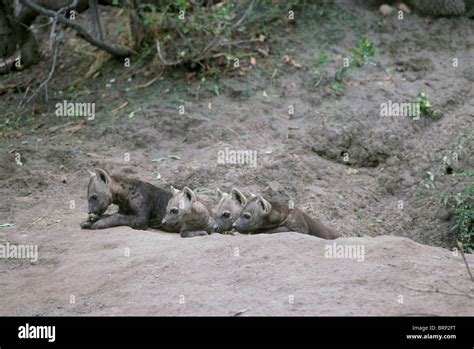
(160, 56)
(185, 39)
(244, 16)
(36, 221)
(238, 42)
(95, 19)
(149, 83)
(240, 312)
(212, 45)
(216, 41)
(51, 72)
(461, 249)
(436, 290)
(110, 48)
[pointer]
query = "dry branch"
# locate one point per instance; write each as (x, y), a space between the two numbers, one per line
(109, 47)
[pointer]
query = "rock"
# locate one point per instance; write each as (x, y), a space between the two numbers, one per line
(385, 9)
(403, 7)
(439, 7)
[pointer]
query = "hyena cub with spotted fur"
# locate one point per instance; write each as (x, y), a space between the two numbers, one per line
(141, 205)
(228, 209)
(262, 216)
(186, 209)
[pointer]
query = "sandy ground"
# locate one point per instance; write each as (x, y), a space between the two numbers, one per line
(125, 272)
(299, 158)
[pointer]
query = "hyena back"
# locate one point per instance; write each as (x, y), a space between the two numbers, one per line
(262, 216)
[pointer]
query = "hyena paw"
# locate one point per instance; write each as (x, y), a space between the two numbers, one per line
(99, 225)
(86, 224)
(190, 234)
(93, 217)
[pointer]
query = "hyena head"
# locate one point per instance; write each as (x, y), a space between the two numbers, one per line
(179, 206)
(253, 215)
(99, 195)
(228, 210)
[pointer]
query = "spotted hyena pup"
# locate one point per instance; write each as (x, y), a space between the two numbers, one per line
(141, 205)
(188, 211)
(228, 209)
(262, 216)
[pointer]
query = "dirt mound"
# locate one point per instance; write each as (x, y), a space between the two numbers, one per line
(127, 272)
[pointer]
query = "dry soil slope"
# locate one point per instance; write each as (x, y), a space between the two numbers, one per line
(282, 274)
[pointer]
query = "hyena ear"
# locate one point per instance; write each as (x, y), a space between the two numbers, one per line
(250, 195)
(237, 195)
(189, 194)
(266, 206)
(102, 175)
(174, 190)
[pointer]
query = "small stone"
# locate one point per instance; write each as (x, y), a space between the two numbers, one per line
(352, 171)
(393, 161)
(403, 7)
(385, 10)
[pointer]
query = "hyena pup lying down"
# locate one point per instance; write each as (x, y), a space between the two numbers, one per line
(228, 209)
(186, 209)
(262, 216)
(141, 205)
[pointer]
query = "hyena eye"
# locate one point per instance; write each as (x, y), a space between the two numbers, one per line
(226, 215)
(94, 197)
(247, 216)
(174, 211)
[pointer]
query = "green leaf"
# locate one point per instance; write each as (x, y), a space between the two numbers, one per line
(174, 157)
(158, 175)
(6, 225)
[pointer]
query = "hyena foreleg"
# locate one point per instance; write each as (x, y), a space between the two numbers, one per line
(276, 230)
(192, 233)
(115, 220)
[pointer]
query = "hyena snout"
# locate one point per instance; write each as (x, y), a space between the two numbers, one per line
(216, 228)
(92, 209)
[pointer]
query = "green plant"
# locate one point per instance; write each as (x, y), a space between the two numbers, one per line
(322, 59)
(426, 107)
(148, 13)
(461, 202)
(194, 35)
(361, 54)
(360, 57)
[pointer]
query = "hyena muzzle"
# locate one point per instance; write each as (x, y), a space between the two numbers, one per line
(228, 209)
(188, 211)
